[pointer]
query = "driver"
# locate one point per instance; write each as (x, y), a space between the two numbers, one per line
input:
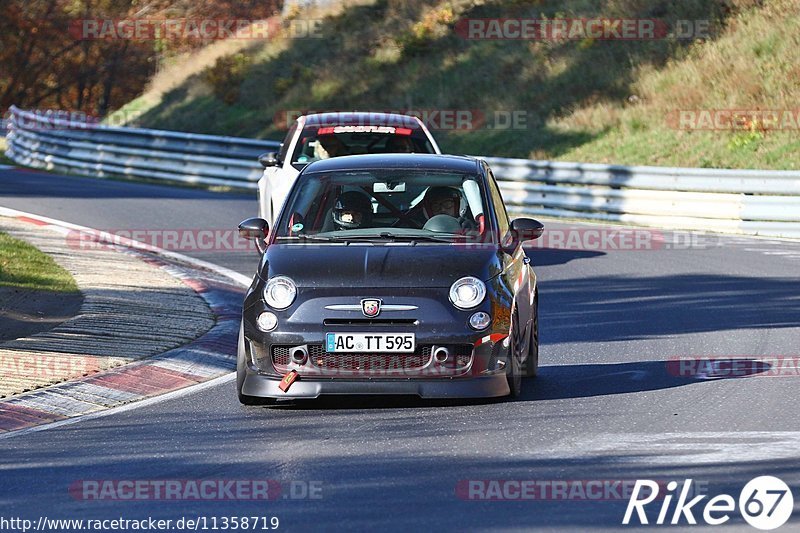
(441, 201)
(329, 146)
(446, 201)
(352, 210)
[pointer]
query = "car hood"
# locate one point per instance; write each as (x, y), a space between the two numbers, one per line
(357, 265)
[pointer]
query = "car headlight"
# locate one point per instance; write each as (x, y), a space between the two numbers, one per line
(280, 292)
(467, 292)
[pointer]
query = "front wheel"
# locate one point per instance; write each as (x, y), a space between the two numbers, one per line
(532, 361)
(514, 369)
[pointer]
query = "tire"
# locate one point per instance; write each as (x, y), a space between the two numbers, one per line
(532, 361)
(514, 370)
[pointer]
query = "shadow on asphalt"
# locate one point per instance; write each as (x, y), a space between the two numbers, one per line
(35, 183)
(622, 308)
(582, 381)
(541, 257)
(406, 491)
(24, 312)
(377, 402)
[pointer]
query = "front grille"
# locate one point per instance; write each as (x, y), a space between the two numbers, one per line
(460, 357)
(370, 362)
(370, 322)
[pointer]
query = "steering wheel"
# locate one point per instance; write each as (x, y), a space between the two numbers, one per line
(405, 217)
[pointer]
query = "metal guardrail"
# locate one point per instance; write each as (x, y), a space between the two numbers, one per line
(754, 202)
(52, 142)
(751, 202)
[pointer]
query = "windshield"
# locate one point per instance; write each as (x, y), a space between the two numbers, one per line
(387, 204)
(323, 142)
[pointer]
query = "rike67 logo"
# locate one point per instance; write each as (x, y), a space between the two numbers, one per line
(765, 503)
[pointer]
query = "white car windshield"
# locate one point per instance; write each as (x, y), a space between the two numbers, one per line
(323, 142)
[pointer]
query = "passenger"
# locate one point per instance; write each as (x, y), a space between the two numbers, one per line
(352, 210)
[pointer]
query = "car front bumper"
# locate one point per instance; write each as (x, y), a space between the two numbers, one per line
(483, 377)
(488, 386)
(475, 369)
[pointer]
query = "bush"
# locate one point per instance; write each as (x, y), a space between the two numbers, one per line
(418, 39)
(227, 75)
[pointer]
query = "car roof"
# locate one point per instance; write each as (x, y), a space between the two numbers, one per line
(360, 118)
(453, 163)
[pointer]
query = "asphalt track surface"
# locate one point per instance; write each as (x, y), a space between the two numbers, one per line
(605, 407)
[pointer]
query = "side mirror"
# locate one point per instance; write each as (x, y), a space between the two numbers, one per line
(527, 229)
(257, 229)
(522, 229)
(270, 159)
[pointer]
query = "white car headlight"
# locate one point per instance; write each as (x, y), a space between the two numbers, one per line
(467, 292)
(280, 292)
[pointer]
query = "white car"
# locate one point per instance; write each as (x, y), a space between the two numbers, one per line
(326, 135)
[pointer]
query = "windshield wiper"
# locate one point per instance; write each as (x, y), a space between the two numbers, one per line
(444, 237)
(413, 237)
(322, 238)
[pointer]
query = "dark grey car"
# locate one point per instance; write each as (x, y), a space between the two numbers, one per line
(390, 274)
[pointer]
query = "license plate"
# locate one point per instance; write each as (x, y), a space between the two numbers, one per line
(370, 342)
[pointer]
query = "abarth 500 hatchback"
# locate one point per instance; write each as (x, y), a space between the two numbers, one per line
(390, 274)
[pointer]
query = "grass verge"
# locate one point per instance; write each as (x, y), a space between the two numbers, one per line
(583, 100)
(23, 266)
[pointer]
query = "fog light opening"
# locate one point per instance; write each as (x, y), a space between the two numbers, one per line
(267, 321)
(480, 320)
(299, 355)
(441, 354)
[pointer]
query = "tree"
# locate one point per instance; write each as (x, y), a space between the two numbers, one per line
(48, 59)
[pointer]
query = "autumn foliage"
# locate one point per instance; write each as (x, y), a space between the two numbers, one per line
(44, 62)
